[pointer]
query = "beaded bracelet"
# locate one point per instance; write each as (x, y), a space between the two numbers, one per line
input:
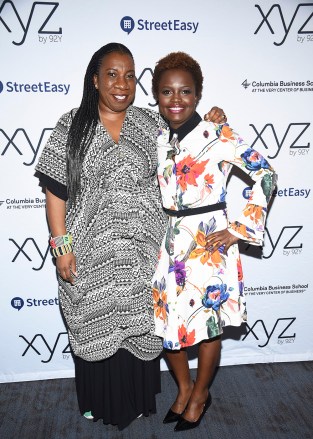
(61, 245)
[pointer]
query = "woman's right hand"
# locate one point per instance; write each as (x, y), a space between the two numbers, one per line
(66, 266)
(216, 115)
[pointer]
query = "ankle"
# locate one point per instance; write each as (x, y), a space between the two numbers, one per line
(186, 387)
(182, 398)
(199, 394)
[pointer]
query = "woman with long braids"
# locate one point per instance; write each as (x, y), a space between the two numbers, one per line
(106, 222)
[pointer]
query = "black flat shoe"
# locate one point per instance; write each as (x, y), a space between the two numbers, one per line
(183, 424)
(171, 417)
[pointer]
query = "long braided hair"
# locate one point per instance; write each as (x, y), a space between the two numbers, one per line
(85, 120)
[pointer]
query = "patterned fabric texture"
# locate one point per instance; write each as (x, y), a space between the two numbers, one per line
(117, 228)
(197, 292)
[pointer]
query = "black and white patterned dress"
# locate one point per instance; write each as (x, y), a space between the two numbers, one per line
(117, 228)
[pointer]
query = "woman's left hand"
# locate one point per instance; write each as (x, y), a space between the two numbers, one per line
(216, 115)
(218, 239)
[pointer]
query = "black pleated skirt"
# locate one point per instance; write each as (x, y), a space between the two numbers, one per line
(117, 389)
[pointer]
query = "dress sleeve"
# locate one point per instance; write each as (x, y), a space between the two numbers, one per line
(56, 188)
(52, 161)
(251, 223)
(166, 170)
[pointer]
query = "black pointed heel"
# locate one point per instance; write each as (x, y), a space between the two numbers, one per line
(183, 424)
(171, 417)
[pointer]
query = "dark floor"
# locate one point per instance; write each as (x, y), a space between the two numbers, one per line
(268, 401)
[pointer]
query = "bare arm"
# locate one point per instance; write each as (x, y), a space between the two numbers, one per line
(66, 264)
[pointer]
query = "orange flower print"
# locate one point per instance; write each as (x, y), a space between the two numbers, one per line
(254, 212)
(188, 170)
(186, 338)
(226, 134)
(208, 181)
(212, 259)
(242, 229)
(201, 238)
(239, 269)
(159, 299)
(240, 281)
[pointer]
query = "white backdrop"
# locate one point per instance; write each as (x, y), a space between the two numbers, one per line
(257, 62)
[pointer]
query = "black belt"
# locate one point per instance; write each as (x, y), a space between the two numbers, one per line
(196, 210)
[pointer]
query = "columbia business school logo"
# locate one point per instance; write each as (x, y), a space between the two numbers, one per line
(128, 24)
(18, 22)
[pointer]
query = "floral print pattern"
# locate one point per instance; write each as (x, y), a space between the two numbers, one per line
(159, 299)
(196, 292)
(188, 170)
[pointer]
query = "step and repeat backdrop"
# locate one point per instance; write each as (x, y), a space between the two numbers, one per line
(257, 62)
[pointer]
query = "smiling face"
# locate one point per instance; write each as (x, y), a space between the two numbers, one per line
(177, 96)
(116, 82)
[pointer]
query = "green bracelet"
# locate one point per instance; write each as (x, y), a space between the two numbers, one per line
(61, 245)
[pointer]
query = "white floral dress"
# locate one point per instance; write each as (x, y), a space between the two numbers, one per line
(197, 292)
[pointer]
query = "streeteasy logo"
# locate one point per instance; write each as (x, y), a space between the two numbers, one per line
(128, 24)
(39, 87)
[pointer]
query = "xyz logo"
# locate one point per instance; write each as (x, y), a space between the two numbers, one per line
(31, 246)
(42, 346)
(139, 81)
(21, 138)
(295, 130)
(286, 238)
(284, 323)
(49, 7)
(306, 8)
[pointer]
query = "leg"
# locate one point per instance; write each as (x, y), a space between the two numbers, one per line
(208, 358)
(179, 364)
